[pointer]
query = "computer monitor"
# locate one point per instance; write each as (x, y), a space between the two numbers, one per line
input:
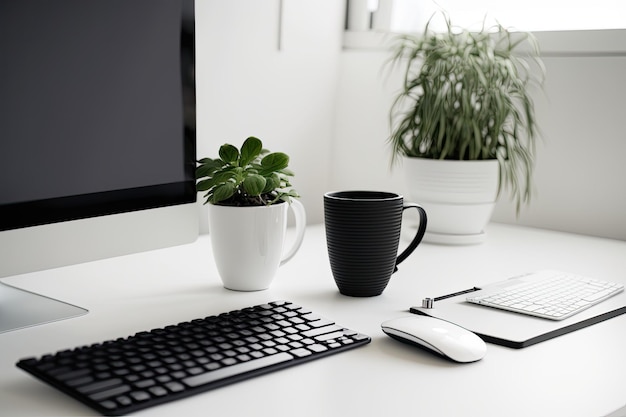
(97, 137)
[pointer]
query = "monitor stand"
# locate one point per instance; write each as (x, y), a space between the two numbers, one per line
(20, 308)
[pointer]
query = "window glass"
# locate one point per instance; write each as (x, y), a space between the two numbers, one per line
(526, 15)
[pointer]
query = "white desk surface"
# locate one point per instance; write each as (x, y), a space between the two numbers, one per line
(578, 374)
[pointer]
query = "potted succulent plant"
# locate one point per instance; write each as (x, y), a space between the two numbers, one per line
(464, 114)
(249, 192)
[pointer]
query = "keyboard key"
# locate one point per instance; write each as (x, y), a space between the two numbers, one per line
(101, 395)
(321, 330)
(233, 370)
(99, 386)
(597, 296)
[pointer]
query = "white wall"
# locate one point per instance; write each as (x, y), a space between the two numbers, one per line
(364, 97)
(247, 86)
(581, 169)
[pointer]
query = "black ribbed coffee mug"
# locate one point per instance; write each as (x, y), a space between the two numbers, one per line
(363, 236)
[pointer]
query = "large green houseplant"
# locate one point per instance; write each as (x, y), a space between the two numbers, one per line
(465, 96)
(249, 192)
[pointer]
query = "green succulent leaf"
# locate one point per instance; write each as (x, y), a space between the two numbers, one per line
(229, 154)
(204, 185)
(254, 184)
(250, 149)
(207, 167)
(272, 182)
(274, 162)
(223, 192)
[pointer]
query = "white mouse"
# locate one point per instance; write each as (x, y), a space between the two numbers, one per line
(440, 336)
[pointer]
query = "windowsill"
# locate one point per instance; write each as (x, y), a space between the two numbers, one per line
(609, 42)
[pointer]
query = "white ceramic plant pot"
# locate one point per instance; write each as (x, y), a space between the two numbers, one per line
(248, 242)
(459, 197)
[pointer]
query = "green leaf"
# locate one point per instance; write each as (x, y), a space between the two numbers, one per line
(272, 182)
(223, 192)
(274, 162)
(204, 185)
(250, 149)
(208, 167)
(229, 153)
(228, 173)
(254, 184)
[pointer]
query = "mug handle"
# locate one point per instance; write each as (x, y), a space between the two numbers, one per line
(418, 237)
(300, 217)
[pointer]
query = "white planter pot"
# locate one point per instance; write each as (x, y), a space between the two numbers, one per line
(247, 242)
(459, 197)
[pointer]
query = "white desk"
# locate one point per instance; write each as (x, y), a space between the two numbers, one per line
(578, 374)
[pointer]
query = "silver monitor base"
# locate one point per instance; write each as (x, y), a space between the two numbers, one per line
(21, 308)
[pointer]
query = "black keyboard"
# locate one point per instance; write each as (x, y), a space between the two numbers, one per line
(128, 374)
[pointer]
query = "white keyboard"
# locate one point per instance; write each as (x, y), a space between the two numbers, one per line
(548, 294)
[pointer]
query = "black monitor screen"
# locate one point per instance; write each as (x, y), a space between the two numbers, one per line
(97, 108)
